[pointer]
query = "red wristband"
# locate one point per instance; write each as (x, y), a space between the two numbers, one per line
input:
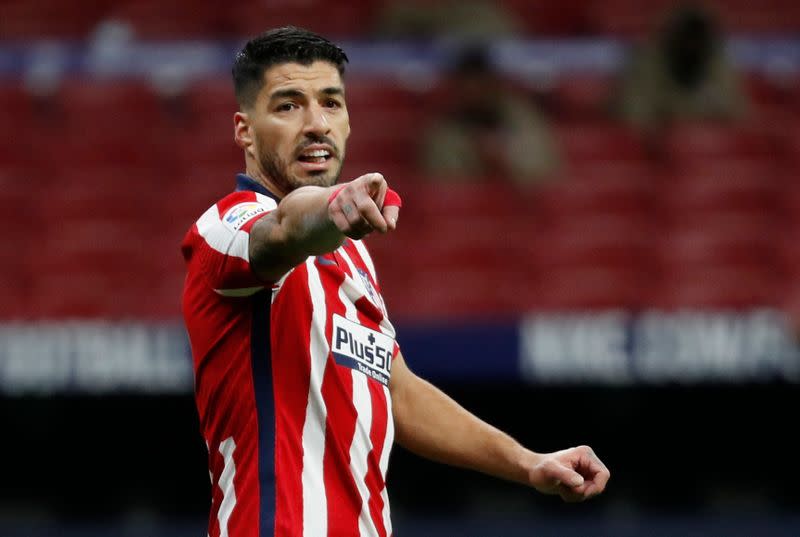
(392, 199)
(335, 193)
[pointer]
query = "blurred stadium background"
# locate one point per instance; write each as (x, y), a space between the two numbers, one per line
(645, 299)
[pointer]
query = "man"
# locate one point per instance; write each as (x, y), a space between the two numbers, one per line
(489, 130)
(682, 73)
(300, 386)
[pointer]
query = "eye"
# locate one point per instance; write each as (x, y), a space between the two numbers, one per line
(333, 103)
(286, 107)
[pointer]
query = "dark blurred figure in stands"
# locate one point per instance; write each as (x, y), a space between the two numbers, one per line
(488, 129)
(683, 73)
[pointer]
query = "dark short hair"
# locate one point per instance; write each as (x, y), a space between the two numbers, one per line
(280, 45)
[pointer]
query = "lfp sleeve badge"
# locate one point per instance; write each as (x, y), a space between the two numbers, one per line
(360, 348)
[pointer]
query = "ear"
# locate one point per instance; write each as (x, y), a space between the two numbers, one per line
(241, 130)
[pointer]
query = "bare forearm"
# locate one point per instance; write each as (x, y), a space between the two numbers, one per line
(303, 219)
(432, 425)
(314, 220)
(298, 228)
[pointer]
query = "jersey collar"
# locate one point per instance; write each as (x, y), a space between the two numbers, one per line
(245, 182)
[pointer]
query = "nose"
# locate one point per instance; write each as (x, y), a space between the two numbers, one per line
(316, 121)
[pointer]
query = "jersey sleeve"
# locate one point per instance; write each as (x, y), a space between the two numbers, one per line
(217, 245)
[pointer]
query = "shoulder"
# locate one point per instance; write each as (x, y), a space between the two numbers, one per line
(224, 221)
(238, 208)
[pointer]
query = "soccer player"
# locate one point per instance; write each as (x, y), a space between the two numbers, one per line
(300, 385)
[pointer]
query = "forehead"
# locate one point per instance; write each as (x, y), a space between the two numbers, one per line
(318, 75)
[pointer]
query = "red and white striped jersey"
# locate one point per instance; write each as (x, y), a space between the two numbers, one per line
(291, 382)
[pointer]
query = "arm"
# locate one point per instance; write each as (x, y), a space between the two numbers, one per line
(432, 425)
(308, 222)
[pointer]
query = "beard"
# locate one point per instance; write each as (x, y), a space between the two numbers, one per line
(277, 169)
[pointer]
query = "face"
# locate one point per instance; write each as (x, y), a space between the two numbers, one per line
(296, 132)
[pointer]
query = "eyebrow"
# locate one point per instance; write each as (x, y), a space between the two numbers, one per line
(294, 93)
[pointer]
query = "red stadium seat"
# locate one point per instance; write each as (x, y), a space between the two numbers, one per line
(461, 291)
(107, 123)
(204, 135)
(16, 102)
(94, 203)
(86, 148)
(211, 103)
(790, 143)
(19, 149)
(583, 96)
(596, 194)
(542, 17)
(582, 288)
(91, 252)
(774, 96)
(22, 209)
(718, 260)
(788, 256)
(23, 118)
(119, 103)
(692, 142)
(384, 132)
(169, 19)
(350, 18)
(17, 196)
(789, 301)
(34, 19)
(365, 93)
(214, 150)
(742, 186)
(639, 174)
(462, 253)
(787, 235)
(681, 249)
(768, 16)
(716, 287)
(467, 201)
(599, 241)
(637, 19)
(588, 262)
(789, 203)
(597, 141)
(84, 294)
(16, 285)
(626, 18)
(187, 194)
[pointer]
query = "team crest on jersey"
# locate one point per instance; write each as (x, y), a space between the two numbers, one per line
(373, 295)
(241, 213)
(360, 348)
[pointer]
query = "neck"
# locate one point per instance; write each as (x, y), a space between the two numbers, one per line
(255, 173)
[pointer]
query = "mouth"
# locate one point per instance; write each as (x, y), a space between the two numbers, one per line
(315, 158)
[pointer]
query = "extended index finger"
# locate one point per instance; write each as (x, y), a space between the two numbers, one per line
(377, 187)
(369, 211)
(391, 214)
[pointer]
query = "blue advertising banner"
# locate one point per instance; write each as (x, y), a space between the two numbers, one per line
(600, 348)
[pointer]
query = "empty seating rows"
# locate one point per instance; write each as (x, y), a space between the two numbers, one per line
(577, 254)
(108, 245)
(126, 122)
(181, 19)
(98, 186)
